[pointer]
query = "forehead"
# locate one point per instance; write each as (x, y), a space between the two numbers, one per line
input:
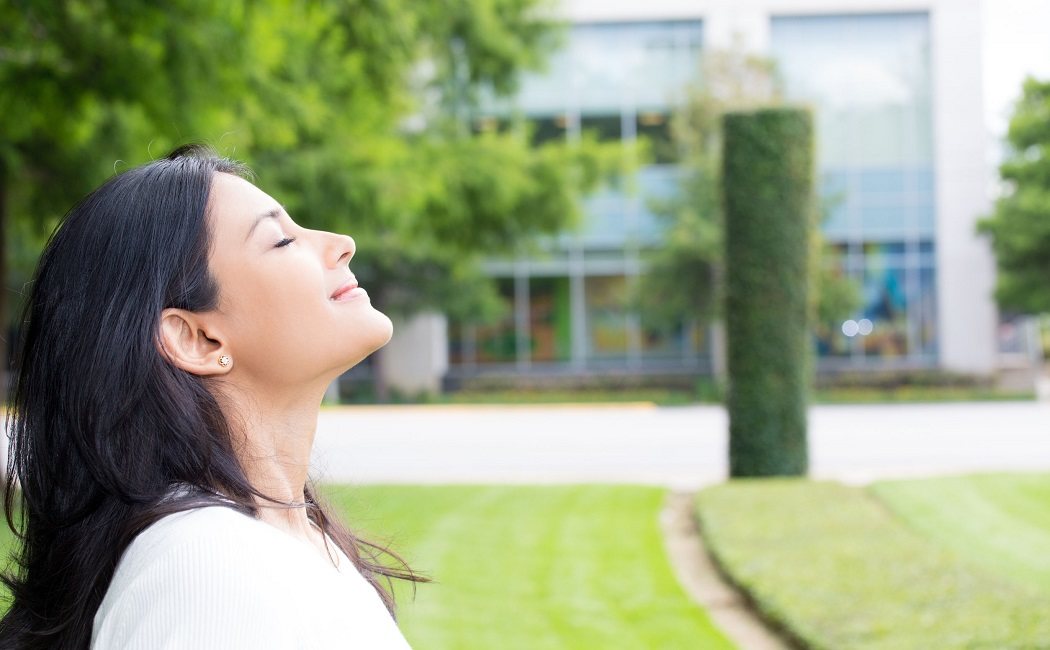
(234, 203)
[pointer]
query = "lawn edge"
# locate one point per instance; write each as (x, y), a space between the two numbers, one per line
(730, 608)
(779, 628)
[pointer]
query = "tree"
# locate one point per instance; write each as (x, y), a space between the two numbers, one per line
(85, 84)
(768, 168)
(684, 276)
(1020, 224)
(423, 194)
(354, 112)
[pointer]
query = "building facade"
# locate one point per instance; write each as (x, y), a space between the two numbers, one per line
(895, 86)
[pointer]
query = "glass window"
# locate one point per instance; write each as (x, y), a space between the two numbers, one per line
(869, 78)
(605, 67)
(619, 81)
(657, 184)
(655, 128)
(926, 311)
(832, 338)
(671, 342)
(607, 127)
(548, 129)
(550, 330)
(460, 348)
(885, 308)
(544, 93)
(632, 64)
(497, 343)
(605, 299)
(605, 219)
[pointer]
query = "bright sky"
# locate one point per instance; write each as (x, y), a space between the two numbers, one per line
(1016, 43)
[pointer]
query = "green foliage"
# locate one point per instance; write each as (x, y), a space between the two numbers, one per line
(353, 113)
(834, 567)
(532, 567)
(684, 277)
(1020, 225)
(768, 191)
(473, 196)
(83, 81)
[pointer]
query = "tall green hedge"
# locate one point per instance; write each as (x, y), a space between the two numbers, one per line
(767, 178)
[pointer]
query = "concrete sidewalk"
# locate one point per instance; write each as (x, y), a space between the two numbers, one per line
(680, 447)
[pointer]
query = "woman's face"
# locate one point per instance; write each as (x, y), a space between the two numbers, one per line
(288, 307)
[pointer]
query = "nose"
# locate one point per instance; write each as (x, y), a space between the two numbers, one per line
(342, 249)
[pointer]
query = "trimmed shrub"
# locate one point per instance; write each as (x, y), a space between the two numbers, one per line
(767, 177)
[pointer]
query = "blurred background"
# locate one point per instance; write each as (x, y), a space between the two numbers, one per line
(535, 190)
(533, 185)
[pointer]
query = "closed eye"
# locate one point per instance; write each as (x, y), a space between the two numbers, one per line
(284, 242)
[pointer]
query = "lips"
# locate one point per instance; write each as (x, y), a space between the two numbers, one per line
(350, 285)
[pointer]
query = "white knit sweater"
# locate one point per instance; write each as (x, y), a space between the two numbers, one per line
(213, 577)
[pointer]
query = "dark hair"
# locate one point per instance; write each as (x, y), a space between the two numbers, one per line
(102, 425)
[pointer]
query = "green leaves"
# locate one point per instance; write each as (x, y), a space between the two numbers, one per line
(684, 277)
(353, 113)
(1020, 225)
(768, 174)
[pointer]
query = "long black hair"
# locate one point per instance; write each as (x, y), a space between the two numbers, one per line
(101, 425)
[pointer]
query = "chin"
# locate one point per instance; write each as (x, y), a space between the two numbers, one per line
(375, 333)
(387, 329)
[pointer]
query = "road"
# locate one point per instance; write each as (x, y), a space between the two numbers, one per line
(679, 447)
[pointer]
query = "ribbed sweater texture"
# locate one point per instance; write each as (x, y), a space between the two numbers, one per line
(215, 578)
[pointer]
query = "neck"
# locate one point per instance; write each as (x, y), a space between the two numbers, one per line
(273, 435)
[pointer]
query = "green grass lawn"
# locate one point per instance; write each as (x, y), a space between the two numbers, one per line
(840, 569)
(940, 563)
(528, 567)
(999, 522)
(532, 567)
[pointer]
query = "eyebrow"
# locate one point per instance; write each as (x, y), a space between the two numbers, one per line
(272, 213)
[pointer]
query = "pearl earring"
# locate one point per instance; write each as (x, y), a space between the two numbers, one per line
(224, 361)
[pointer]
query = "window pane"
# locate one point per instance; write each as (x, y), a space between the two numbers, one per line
(497, 343)
(548, 129)
(549, 319)
(605, 297)
(885, 306)
(869, 78)
(606, 127)
(655, 128)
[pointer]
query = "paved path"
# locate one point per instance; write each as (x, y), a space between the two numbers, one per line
(680, 447)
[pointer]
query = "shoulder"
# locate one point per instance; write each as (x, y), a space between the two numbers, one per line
(202, 535)
(199, 578)
(214, 524)
(207, 545)
(214, 577)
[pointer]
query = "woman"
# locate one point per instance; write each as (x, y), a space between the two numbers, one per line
(178, 339)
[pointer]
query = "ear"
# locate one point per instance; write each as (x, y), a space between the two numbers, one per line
(191, 342)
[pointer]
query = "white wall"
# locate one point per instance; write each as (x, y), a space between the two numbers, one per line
(416, 358)
(967, 314)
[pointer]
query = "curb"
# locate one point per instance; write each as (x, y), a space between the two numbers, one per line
(698, 575)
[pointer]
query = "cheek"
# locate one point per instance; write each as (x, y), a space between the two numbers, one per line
(284, 325)
(271, 309)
